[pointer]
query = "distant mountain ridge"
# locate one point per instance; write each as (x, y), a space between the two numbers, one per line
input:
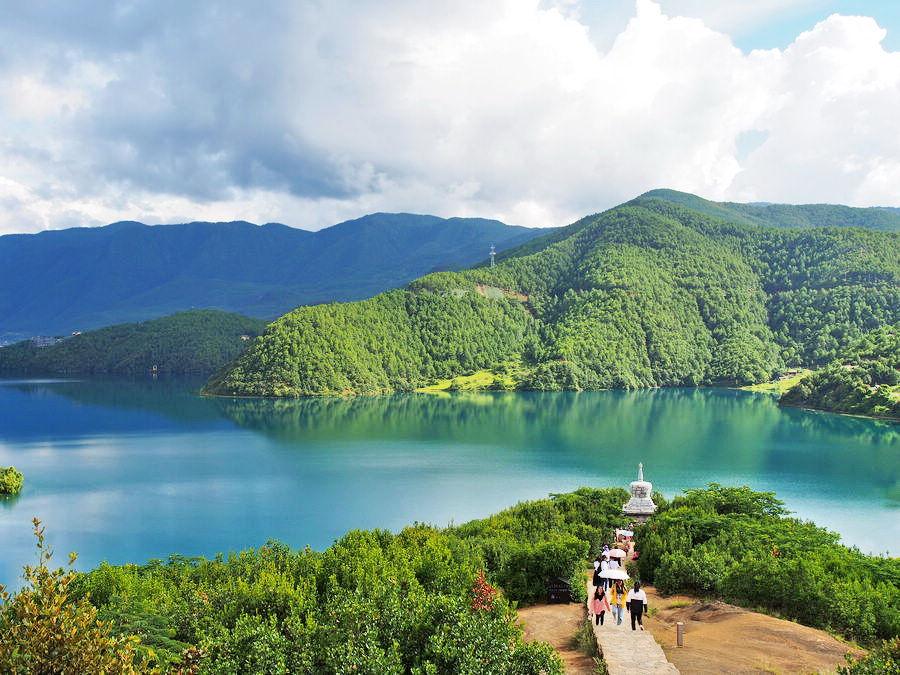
(81, 278)
(769, 214)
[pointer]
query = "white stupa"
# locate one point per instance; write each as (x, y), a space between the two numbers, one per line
(640, 506)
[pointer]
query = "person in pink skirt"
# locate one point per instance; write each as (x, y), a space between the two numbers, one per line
(599, 605)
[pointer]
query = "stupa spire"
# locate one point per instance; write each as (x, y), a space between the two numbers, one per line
(640, 506)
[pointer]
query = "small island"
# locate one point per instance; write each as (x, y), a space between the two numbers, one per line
(11, 481)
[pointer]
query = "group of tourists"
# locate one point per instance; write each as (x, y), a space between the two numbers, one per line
(610, 595)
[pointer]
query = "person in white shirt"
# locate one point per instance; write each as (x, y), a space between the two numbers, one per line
(604, 565)
(636, 601)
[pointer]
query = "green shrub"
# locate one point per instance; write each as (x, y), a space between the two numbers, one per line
(882, 660)
(11, 481)
(740, 544)
(42, 626)
(700, 572)
(528, 567)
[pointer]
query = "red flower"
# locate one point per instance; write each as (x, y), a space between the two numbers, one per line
(483, 594)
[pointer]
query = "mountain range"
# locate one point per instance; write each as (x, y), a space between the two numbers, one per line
(665, 290)
(56, 282)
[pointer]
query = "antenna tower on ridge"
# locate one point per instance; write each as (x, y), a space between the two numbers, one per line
(493, 253)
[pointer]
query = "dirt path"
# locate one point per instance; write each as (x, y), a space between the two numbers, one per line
(557, 624)
(722, 638)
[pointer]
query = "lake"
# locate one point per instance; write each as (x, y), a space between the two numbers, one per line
(134, 470)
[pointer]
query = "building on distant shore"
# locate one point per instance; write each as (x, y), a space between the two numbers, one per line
(41, 341)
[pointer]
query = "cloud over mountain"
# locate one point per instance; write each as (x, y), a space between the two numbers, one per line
(309, 113)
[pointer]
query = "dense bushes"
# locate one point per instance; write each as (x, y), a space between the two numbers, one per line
(885, 658)
(422, 601)
(11, 481)
(372, 602)
(646, 294)
(741, 545)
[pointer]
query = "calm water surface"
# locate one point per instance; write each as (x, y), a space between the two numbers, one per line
(128, 471)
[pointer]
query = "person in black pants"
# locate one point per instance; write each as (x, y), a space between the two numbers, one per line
(637, 605)
(598, 580)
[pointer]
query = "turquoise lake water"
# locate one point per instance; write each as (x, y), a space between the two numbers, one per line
(129, 471)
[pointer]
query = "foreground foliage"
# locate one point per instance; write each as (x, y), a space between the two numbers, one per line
(43, 629)
(741, 545)
(864, 381)
(373, 602)
(195, 342)
(430, 600)
(885, 658)
(11, 480)
(650, 293)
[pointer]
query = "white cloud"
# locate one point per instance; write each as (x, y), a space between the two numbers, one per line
(310, 113)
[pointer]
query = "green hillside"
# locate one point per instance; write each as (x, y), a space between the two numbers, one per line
(649, 293)
(864, 381)
(199, 341)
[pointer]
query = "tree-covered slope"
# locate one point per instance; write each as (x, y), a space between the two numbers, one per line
(198, 341)
(395, 341)
(646, 294)
(864, 381)
(82, 278)
(824, 287)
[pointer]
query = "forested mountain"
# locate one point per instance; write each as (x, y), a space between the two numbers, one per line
(76, 279)
(198, 342)
(649, 293)
(863, 381)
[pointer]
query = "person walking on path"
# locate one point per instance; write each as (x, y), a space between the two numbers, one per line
(637, 604)
(614, 563)
(599, 605)
(617, 598)
(604, 565)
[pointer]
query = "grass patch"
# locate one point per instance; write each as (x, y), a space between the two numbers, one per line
(780, 385)
(584, 639)
(678, 604)
(506, 378)
(480, 379)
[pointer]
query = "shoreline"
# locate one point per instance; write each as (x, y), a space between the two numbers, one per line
(877, 418)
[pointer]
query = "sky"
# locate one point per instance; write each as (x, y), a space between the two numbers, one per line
(534, 112)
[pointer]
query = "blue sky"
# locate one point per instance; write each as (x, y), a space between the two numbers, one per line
(534, 112)
(781, 29)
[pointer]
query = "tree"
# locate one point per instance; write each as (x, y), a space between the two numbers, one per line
(43, 630)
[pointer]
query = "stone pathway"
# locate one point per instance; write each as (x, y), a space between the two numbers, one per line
(629, 652)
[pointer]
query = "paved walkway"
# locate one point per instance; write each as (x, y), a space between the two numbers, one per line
(628, 652)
